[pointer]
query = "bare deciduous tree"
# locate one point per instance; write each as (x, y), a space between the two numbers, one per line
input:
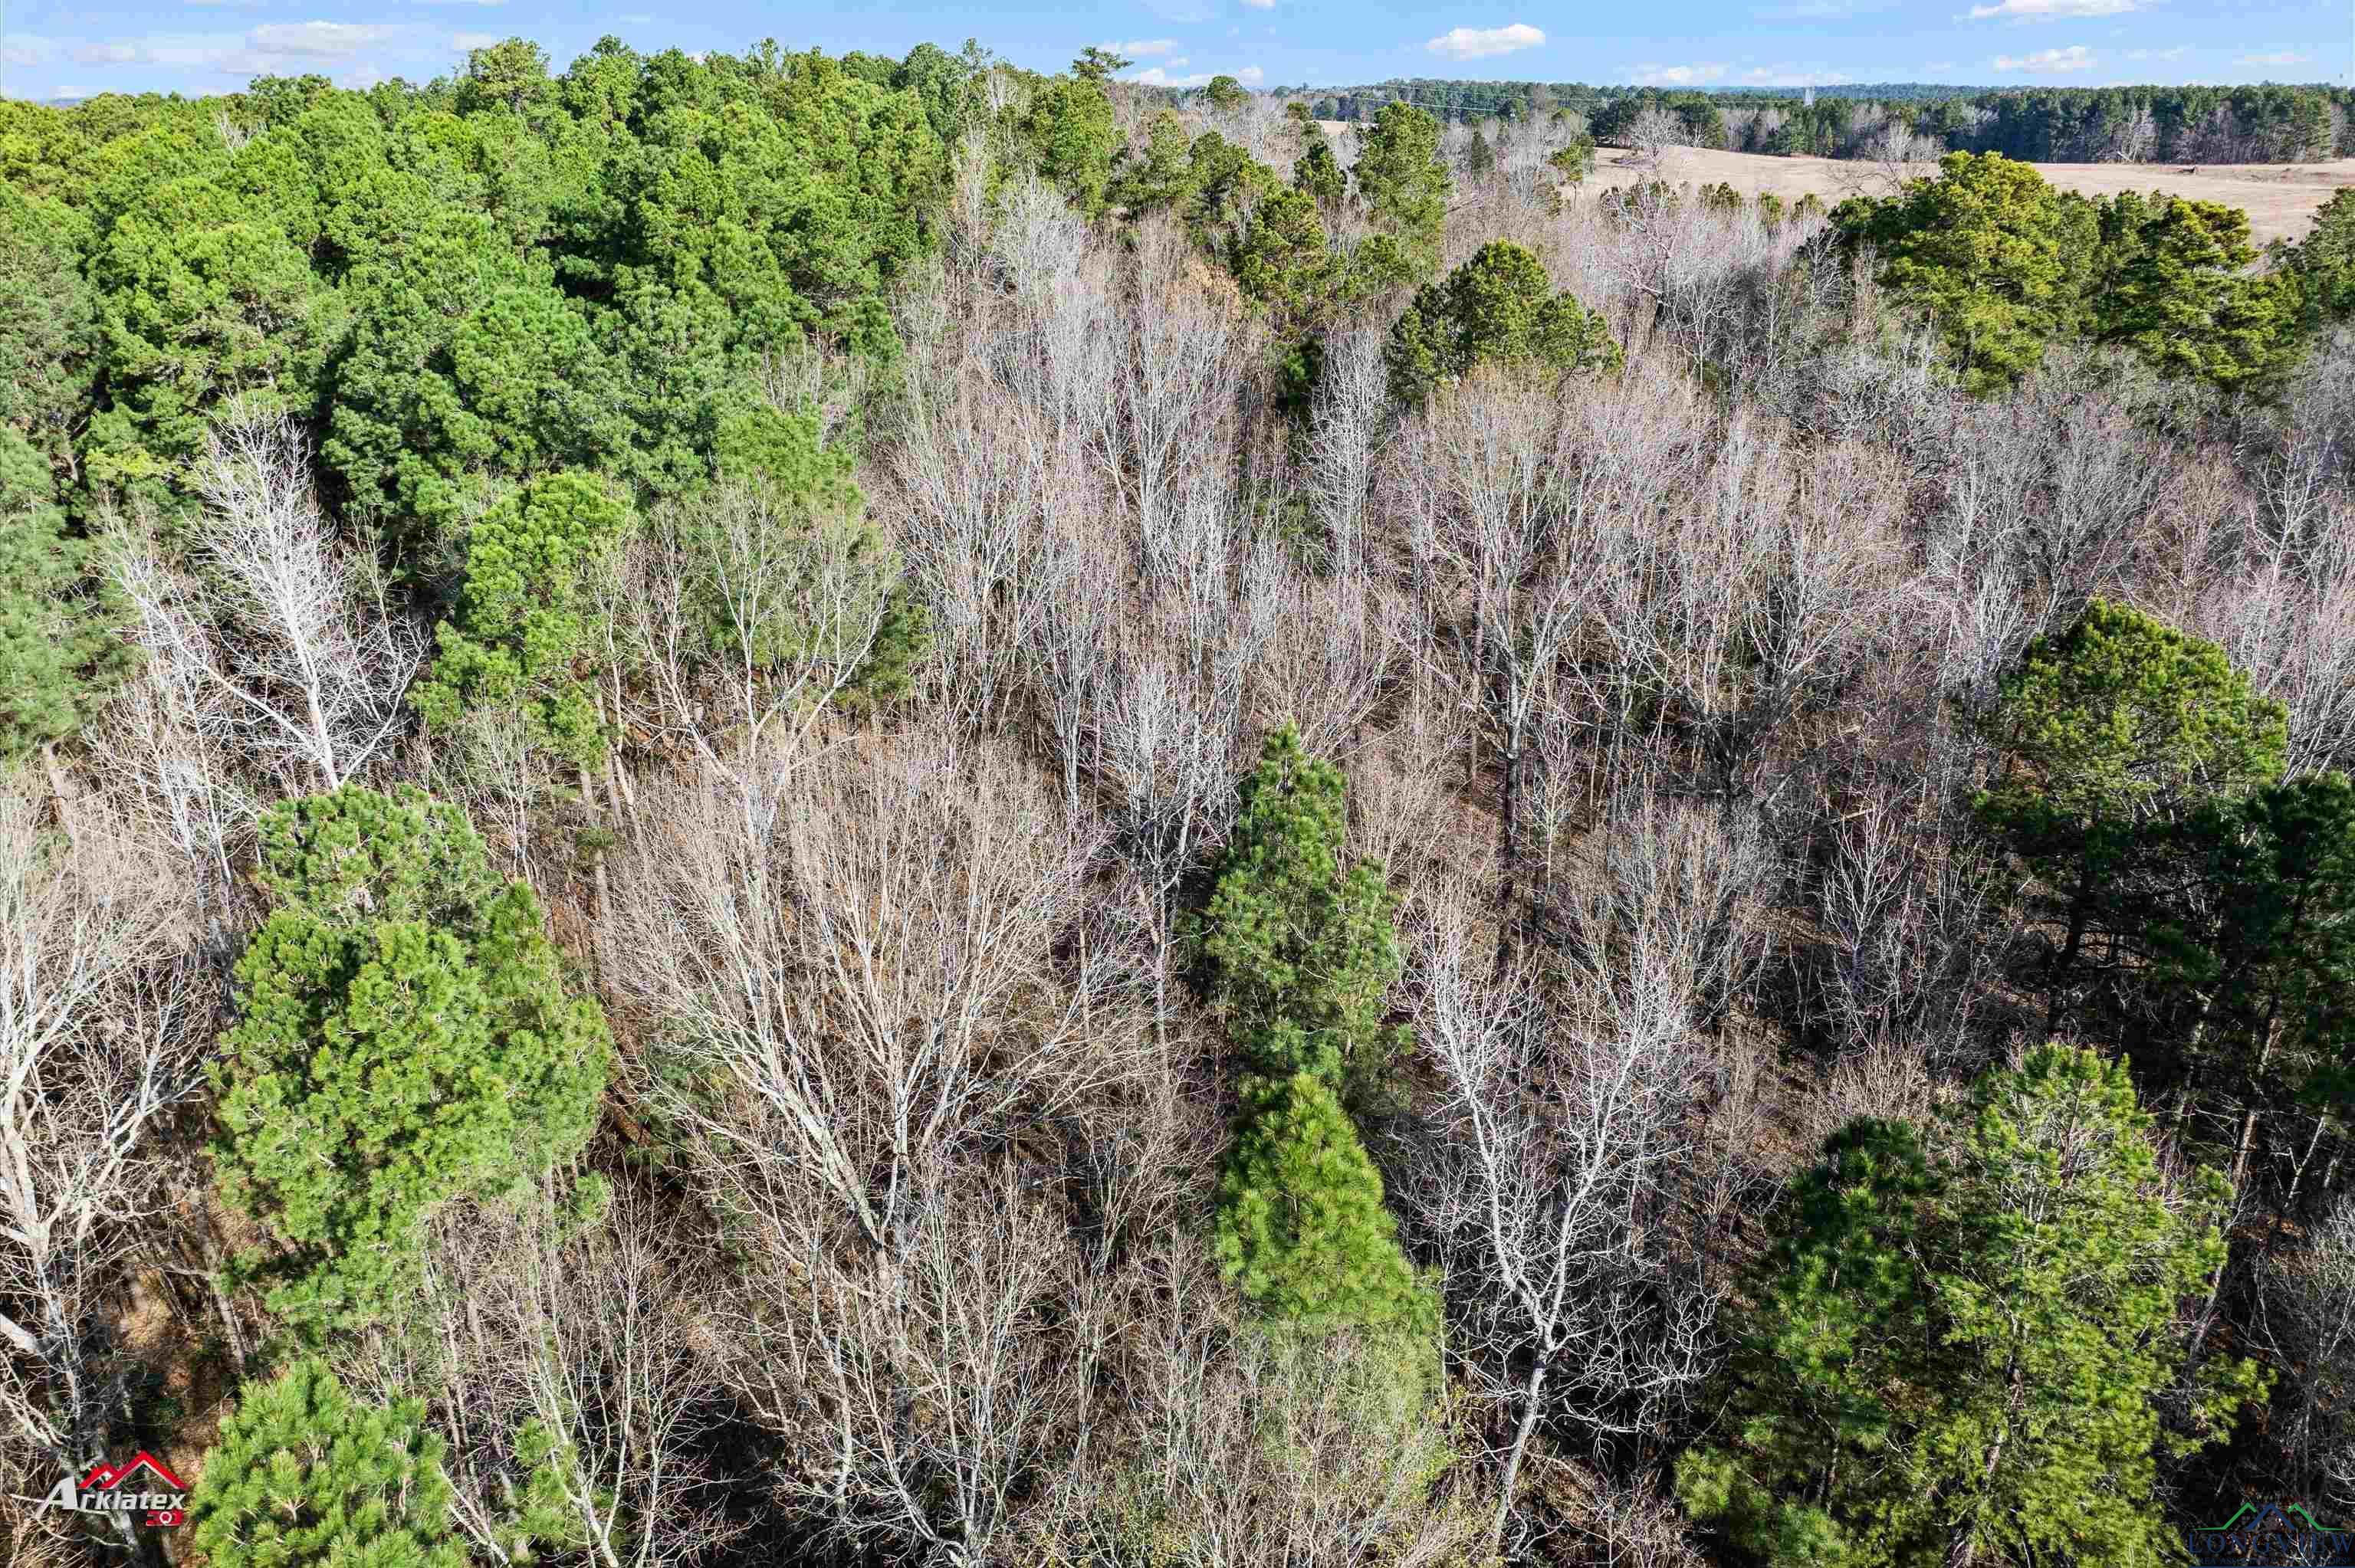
(1557, 1118)
(281, 643)
(1900, 919)
(1669, 890)
(1235, 1447)
(1171, 731)
(1185, 347)
(1349, 427)
(751, 612)
(593, 1338)
(857, 962)
(99, 1037)
(927, 1389)
(1652, 133)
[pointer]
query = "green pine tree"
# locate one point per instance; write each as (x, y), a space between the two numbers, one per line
(1479, 158)
(1069, 136)
(59, 656)
(1301, 1225)
(1299, 939)
(525, 628)
(303, 1474)
(1499, 307)
(2253, 954)
(1402, 183)
(405, 1039)
(1574, 162)
(2108, 736)
(1225, 94)
(1280, 260)
(1957, 1356)
(49, 337)
(1997, 257)
(2181, 296)
(808, 570)
(1317, 174)
(2322, 265)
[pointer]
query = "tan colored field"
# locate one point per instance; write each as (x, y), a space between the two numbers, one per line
(2279, 199)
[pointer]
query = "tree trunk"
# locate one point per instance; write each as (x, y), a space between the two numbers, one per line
(2249, 1116)
(2249, 1119)
(2191, 1067)
(620, 793)
(2298, 1167)
(1962, 1550)
(2080, 910)
(330, 777)
(597, 880)
(60, 796)
(1532, 1401)
(1509, 849)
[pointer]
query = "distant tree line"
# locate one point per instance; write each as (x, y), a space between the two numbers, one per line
(2267, 124)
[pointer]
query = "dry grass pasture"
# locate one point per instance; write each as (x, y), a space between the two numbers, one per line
(2280, 199)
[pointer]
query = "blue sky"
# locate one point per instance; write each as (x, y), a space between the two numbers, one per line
(64, 48)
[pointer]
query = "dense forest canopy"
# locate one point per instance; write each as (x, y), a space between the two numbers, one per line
(781, 809)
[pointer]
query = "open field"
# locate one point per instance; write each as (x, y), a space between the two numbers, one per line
(2279, 199)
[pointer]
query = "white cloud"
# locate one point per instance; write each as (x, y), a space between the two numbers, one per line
(2050, 10)
(273, 48)
(198, 51)
(1140, 48)
(72, 94)
(2278, 57)
(1675, 76)
(1261, 4)
(1481, 43)
(319, 40)
(635, 19)
(470, 42)
(2177, 53)
(1792, 76)
(24, 49)
(1180, 60)
(2049, 62)
(1158, 76)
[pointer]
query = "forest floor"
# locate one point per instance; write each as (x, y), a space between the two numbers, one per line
(2280, 199)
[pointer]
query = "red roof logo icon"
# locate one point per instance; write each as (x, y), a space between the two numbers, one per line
(106, 1476)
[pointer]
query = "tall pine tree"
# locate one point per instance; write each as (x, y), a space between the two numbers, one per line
(525, 628)
(59, 657)
(405, 1039)
(1959, 1348)
(2108, 736)
(1302, 952)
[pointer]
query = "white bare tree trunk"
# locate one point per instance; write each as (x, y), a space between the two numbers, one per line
(1562, 1118)
(283, 642)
